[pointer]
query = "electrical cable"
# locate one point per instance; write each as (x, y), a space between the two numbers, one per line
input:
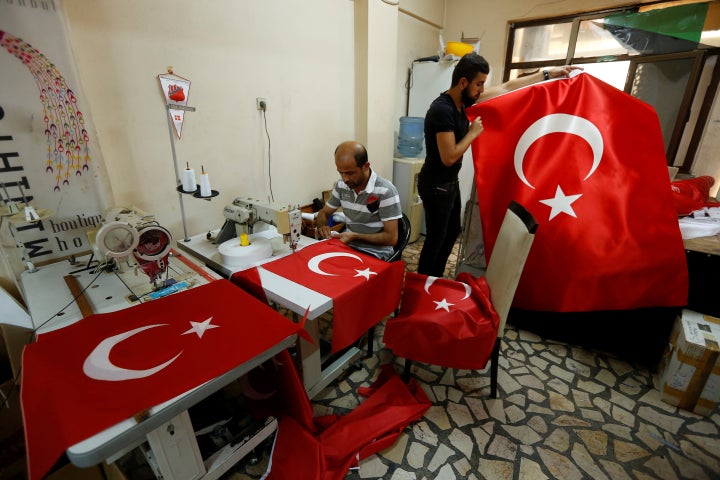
(272, 197)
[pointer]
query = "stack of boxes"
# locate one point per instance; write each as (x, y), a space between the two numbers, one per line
(689, 374)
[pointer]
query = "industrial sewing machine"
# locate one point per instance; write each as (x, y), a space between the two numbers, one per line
(242, 215)
(253, 231)
(128, 232)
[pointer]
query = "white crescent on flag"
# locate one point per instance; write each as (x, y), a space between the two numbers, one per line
(444, 304)
(430, 280)
(314, 263)
(98, 365)
(559, 123)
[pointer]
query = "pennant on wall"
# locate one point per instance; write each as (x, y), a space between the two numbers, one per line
(175, 90)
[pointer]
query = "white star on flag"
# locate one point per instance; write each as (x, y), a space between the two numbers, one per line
(443, 304)
(200, 327)
(561, 203)
(365, 273)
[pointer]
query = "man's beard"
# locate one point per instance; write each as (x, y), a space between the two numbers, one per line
(466, 99)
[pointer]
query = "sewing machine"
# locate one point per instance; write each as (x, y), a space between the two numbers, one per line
(128, 232)
(242, 215)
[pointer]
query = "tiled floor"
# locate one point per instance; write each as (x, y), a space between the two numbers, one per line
(562, 412)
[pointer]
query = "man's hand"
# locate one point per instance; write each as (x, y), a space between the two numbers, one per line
(321, 222)
(344, 237)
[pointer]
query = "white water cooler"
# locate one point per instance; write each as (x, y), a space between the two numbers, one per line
(405, 175)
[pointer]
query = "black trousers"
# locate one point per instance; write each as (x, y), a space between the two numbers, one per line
(442, 224)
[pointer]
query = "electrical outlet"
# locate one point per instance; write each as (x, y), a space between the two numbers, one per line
(261, 103)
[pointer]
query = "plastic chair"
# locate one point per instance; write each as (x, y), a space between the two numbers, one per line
(505, 267)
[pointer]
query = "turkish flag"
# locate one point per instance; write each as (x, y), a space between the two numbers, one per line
(99, 371)
(342, 441)
(588, 161)
(363, 289)
(444, 322)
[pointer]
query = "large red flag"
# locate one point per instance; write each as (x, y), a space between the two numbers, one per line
(588, 161)
(444, 322)
(364, 289)
(86, 377)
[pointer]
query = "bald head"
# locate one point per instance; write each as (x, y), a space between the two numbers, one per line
(351, 149)
(352, 164)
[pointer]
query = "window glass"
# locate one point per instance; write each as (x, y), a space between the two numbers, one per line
(595, 41)
(614, 73)
(541, 42)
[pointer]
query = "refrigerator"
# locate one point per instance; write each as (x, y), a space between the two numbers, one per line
(405, 173)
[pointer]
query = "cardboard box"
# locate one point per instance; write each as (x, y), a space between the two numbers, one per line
(689, 375)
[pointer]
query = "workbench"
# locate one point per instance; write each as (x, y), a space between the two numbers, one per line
(174, 451)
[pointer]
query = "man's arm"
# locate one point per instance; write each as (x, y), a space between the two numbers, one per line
(510, 85)
(451, 152)
(388, 235)
(321, 221)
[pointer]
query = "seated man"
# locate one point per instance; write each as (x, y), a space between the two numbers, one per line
(370, 203)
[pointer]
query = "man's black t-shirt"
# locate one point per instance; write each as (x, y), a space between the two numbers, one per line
(442, 116)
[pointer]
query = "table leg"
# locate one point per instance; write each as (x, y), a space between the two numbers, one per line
(174, 453)
(310, 354)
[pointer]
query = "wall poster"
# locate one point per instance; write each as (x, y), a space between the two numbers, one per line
(49, 155)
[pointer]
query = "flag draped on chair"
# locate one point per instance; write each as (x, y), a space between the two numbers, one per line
(106, 368)
(364, 289)
(587, 160)
(444, 322)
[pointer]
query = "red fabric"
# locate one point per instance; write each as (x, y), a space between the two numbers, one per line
(62, 405)
(296, 454)
(617, 245)
(275, 389)
(358, 302)
(462, 336)
(249, 280)
(345, 440)
(692, 194)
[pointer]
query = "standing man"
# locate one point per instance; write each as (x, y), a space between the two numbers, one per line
(370, 203)
(448, 134)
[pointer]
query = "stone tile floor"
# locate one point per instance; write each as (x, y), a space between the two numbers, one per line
(562, 412)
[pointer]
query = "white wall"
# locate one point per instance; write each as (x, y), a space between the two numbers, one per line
(298, 55)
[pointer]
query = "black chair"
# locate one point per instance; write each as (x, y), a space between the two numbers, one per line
(402, 241)
(403, 238)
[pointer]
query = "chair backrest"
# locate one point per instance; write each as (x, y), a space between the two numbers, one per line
(403, 238)
(507, 261)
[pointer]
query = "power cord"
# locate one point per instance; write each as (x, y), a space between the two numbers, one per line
(263, 106)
